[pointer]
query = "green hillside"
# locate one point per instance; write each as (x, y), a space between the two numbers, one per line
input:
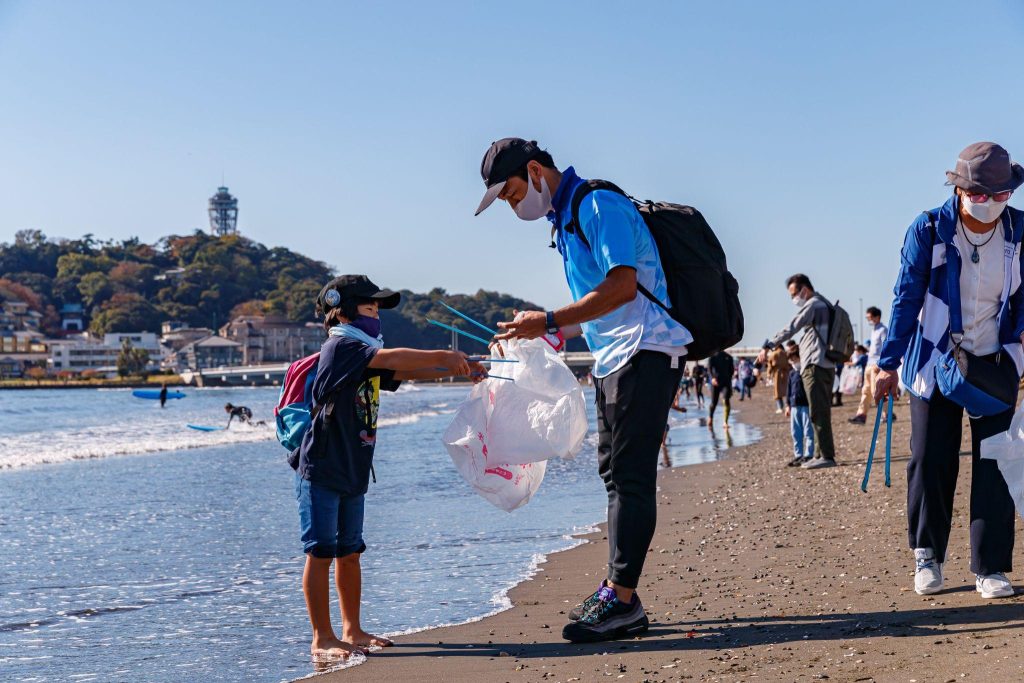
(204, 281)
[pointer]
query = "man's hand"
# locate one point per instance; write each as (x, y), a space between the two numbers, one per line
(714, 381)
(762, 356)
(477, 372)
(526, 325)
(887, 383)
(788, 411)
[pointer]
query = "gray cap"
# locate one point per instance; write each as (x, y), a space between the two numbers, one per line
(985, 168)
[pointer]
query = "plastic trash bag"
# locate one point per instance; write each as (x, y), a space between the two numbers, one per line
(1007, 449)
(501, 435)
(851, 381)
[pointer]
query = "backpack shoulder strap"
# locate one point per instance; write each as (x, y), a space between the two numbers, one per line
(573, 226)
(585, 188)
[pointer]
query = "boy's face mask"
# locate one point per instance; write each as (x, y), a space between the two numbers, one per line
(365, 323)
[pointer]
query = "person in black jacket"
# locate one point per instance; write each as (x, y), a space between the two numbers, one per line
(721, 367)
(798, 412)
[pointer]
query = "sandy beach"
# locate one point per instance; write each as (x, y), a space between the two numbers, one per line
(757, 571)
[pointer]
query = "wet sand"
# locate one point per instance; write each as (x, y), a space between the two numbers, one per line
(757, 572)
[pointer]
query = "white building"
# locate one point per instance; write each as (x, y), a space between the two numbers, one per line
(83, 352)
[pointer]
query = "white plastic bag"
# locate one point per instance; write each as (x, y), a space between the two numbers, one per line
(500, 436)
(851, 380)
(1007, 449)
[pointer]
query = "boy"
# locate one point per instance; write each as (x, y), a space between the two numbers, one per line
(335, 458)
(798, 412)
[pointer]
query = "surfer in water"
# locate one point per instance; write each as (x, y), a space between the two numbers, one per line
(243, 414)
(163, 395)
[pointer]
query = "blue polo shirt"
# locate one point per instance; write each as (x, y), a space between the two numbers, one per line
(618, 236)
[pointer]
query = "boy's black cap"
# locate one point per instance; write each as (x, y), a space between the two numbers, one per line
(502, 159)
(354, 287)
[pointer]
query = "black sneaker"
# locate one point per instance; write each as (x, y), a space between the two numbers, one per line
(576, 613)
(795, 462)
(607, 619)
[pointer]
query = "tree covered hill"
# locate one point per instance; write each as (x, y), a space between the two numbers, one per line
(205, 281)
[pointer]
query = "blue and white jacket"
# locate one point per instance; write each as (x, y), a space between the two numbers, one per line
(920, 290)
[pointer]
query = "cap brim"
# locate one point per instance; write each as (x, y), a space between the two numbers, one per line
(492, 193)
(385, 298)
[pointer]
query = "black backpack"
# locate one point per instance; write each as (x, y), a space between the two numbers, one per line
(703, 293)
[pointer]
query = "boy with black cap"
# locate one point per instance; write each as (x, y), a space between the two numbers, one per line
(336, 455)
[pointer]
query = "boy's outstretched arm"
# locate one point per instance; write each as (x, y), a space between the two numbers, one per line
(405, 360)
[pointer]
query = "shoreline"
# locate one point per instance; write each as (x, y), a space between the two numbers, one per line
(756, 571)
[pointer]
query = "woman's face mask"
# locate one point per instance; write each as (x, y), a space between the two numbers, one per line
(985, 212)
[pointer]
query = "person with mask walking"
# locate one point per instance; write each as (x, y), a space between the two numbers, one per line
(977, 236)
(879, 332)
(818, 371)
(607, 253)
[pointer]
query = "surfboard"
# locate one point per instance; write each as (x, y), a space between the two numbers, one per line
(154, 394)
(204, 428)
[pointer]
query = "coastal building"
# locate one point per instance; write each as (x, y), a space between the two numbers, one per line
(273, 339)
(72, 318)
(15, 315)
(84, 352)
(210, 352)
(175, 334)
(21, 350)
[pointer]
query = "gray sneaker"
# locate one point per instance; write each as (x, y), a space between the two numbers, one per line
(927, 573)
(818, 463)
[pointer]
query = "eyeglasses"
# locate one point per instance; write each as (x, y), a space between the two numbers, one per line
(982, 198)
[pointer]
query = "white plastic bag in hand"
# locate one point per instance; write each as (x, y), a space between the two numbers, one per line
(1007, 449)
(540, 415)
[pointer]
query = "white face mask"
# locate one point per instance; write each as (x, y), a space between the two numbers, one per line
(798, 300)
(986, 212)
(535, 204)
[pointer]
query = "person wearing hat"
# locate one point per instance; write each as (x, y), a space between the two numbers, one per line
(978, 234)
(336, 455)
(638, 356)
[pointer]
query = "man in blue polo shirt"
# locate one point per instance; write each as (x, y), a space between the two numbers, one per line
(638, 356)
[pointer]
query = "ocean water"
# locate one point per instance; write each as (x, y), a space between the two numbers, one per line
(132, 547)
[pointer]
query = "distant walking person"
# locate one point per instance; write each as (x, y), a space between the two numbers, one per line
(745, 375)
(778, 373)
(818, 371)
(798, 413)
(879, 333)
(700, 378)
(721, 368)
(971, 243)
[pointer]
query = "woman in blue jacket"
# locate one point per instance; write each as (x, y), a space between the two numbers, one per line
(978, 234)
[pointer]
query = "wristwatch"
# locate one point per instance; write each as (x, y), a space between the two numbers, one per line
(552, 328)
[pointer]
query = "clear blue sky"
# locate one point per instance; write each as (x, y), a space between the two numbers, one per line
(809, 133)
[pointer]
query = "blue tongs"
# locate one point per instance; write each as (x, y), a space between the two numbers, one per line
(874, 442)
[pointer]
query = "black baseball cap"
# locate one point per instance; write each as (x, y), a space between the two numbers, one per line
(502, 159)
(354, 287)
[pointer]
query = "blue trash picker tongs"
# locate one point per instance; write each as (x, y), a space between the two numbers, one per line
(874, 442)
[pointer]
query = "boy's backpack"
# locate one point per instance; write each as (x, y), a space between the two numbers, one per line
(841, 341)
(294, 412)
(703, 293)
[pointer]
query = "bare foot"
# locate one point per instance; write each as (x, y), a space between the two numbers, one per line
(364, 639)
(332, 649)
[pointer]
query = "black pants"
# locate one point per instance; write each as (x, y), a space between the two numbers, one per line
(632, 410)
(818, 387)
(723, 392)
(936, 432)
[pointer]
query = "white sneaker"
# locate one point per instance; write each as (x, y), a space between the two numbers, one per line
(928, 574)
(994, 586)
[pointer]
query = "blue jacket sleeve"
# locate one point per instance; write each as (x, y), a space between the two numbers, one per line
(908, 293)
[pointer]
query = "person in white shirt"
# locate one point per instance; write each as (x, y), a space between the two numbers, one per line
(879, 332)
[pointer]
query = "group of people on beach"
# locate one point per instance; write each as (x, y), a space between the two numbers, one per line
(618, 284)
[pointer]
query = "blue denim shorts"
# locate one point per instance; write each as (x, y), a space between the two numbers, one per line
(331, 524)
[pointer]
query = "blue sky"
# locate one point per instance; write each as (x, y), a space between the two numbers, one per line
(810, 134)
